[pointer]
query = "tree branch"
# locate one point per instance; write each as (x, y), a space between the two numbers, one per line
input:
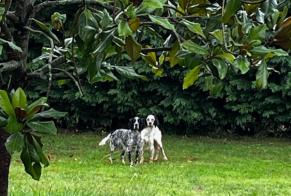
(147, 50)
(46, 4)
(9, 66)
(72, 77)
(12, 17)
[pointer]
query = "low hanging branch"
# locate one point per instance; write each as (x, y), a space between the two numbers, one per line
(50, 57)
(9, 66)
(46, 4)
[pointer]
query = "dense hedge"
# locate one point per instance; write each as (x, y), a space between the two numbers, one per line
(232, 105)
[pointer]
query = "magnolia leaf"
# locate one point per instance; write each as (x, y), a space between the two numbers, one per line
(230, 9)
(51, 113)
(242, 64)
(191, 77)
(258, 32)
(152, 4)
(36, 106)
(162, 22)
(13, 126)
(268, 53)
(3, 121)
(5, 103)
(194, 48)
(227, 57)
(218, 34)
(221, 67)
(45, 29)
(173, 57)
(134, 24)
(133, 48)
(37, 145)
(150, 58)
(30, 160)
(194, 27)
(262, 75)
(127, 72)
(104, 43)
(44, 127)
(14, 143)
(19, 99)
(124, 29)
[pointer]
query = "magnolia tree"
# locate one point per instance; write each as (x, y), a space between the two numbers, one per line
(212, 39)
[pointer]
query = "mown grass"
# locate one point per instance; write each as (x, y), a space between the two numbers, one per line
(196, 166)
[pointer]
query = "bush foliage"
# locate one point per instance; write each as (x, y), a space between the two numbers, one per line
(232, 105)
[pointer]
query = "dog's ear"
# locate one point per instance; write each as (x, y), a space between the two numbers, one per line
(130, 123)
(156, 123)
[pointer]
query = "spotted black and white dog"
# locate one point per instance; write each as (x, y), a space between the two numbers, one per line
(151, 135)
(128, 140)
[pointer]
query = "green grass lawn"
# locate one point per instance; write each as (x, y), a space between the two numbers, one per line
(196, 166)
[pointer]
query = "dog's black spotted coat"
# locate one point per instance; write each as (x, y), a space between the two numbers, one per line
(125, 139)
(128, 140)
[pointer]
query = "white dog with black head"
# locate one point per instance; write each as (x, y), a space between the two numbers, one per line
(151, 135)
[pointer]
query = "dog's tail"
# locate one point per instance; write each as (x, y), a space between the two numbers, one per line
(104, 140)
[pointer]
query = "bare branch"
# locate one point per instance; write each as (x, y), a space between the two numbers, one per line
(6, 33)
(12, 17)
(46, 4)
(9, 66)
(146, 50)
(72, 77)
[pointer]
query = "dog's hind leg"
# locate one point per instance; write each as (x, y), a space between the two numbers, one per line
(157, 151)
(160, 144)
(122, 156)
(152, 150)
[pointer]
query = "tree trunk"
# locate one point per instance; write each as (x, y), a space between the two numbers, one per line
(4, 164)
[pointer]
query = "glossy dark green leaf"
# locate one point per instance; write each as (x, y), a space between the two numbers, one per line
(194, 27)
(45, 29)
(242, 64)
(128, 72)
(191, 77)
(40, 127)
(218, 34)
(268, 53)
(104, 43)
(13, 125)
(124, 29)
(221, 67)
(5, 103)
(51, 113)
(133, 48)
(194, 48)
(19, 99)
(38, 148)
(162, 22)
(35, 107)
(262, 75)
(230, 9)
(14, 143)
(152, 4)
(31, 160)
(3, 121)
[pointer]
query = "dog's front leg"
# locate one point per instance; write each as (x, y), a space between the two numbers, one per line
(141, 152)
